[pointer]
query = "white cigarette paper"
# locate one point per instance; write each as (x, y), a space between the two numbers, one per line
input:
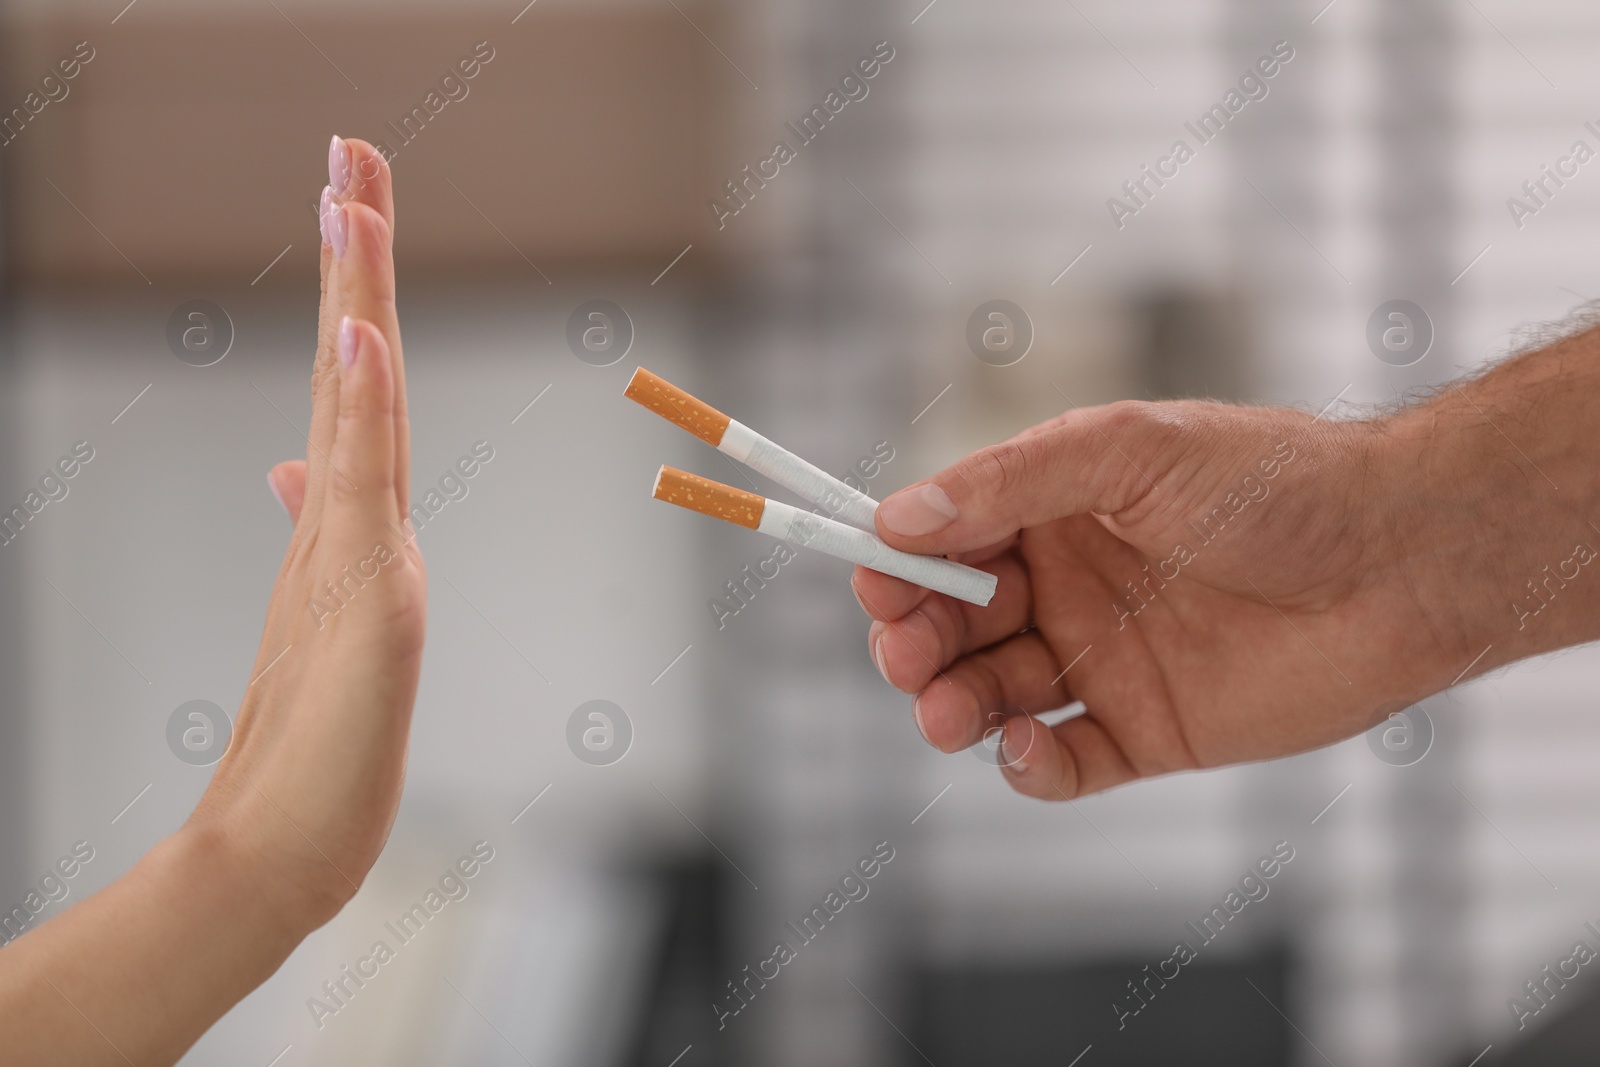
(809, 482)
(739, 441)
(848, 543)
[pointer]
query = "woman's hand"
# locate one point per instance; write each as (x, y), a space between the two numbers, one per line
(313, 774)
(1221, 584)
(302, 802)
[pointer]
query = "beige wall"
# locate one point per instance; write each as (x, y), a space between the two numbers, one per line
(196, 147)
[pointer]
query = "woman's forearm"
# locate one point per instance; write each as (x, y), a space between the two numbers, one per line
(138, 971)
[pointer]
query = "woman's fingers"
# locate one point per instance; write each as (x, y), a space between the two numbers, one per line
(325, 364)
(358, 174)
(361, 506)
(363, 275)
(358, 283)
(357, 171)
(978, 692)
(356, 219)
(288, 483)
(364, 279)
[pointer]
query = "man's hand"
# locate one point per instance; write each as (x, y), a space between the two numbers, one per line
(1222, 584)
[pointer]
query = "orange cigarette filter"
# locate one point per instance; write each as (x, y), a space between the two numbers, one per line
(675, 405)
(708, 497)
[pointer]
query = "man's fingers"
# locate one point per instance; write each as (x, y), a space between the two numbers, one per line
(978, 692)
(1098, 460)
(361, 503)
(1062, 762)
(912, 649)
(288, 483)
(884, 597)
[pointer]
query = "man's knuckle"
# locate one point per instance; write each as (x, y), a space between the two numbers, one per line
(1000, 468)
(1132, 418)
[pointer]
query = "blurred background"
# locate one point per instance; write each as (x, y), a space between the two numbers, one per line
(748, 756)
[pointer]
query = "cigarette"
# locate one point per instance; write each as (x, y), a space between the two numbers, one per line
(786, 523)
(735, 439)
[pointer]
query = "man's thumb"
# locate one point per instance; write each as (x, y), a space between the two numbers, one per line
(1087, 462)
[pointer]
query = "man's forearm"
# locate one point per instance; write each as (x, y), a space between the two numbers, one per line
(1494, 489)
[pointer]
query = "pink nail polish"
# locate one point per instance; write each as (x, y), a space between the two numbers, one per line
(322, 212)
(348, 342)
(915, 512)
(338, 228)
(339, 166)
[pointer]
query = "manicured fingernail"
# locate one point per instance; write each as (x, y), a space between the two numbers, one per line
(348, 342)
(322, 212)
(916, 713)
(924, 510)
(338, 165)
(877, 657)
(1010, 758)
(338, 227)
(274, 487)
(855, 593)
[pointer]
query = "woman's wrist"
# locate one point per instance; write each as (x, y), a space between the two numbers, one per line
(254, 871)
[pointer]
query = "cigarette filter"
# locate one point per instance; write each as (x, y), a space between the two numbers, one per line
(831, 538)
(748, 447)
